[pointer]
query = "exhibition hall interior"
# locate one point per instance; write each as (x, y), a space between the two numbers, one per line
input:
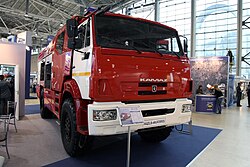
(135, 83)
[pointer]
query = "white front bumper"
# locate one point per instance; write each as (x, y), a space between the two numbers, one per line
(100, 128)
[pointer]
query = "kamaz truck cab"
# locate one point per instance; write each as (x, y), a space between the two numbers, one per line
(102, 61)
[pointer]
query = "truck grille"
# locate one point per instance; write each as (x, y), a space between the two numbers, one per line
(148, 113)
(148, 101)
(152, 88)
(149, 84)
(160, 92)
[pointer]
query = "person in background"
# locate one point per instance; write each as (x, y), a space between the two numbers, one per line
(199, 90)
(219, 97)
(248, 94)
(34, 85)
(5, 94)
(238, 94)
(12, 88)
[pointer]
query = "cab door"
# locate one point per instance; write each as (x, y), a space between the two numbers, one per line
(82, 61)
(48, 93)
(51, 66)
(58, 60)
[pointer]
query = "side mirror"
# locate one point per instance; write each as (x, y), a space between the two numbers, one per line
(185, 45)
(75, 43)
(71, 25)
(72, 31)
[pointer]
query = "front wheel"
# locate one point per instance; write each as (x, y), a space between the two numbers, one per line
(74, 143)
(155, 135)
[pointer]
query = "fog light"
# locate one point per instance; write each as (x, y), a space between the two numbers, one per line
(186, 108)
(104, 115)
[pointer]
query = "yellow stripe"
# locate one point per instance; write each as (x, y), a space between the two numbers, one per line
(81, 74)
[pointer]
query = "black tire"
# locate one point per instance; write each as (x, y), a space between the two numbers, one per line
(74, 143)
(155, 135)
(44, 112)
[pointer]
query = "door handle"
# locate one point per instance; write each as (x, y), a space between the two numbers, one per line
(86, 55)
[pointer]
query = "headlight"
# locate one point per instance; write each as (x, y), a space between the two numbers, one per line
(186, 108)
(104, 115)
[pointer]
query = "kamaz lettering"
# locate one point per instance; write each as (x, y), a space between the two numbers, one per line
(152, 80)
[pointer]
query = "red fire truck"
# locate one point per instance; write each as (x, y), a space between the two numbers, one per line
(102, 61)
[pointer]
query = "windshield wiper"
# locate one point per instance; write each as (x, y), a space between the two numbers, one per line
(169, 51)
(149, 47)
(121, 43)
(175, 54)
(157, 49)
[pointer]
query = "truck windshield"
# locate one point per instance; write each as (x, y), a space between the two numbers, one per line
(123, 33)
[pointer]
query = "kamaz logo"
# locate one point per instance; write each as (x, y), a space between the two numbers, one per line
(152, 80)
(154, 88)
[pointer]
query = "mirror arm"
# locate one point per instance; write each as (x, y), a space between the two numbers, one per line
(185, 43)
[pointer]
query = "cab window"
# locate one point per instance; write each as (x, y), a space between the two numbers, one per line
(59, 43)
(84, 30)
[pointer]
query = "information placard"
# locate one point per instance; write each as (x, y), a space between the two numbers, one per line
(130, 116)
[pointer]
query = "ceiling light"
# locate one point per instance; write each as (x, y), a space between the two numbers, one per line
(26, 15)
(61, 24)
(9, 33)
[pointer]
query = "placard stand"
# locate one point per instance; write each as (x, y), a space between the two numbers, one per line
(128, 149)
(182, 130)
(130, 116)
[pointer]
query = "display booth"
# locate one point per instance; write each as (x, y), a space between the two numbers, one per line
(205, 103)
(13, 56)
(209, 71)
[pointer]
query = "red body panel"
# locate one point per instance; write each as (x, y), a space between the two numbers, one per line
(117, 73)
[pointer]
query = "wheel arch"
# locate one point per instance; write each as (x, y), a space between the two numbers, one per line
(71, 90)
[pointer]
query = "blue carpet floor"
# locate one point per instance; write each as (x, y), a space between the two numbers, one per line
(32, 109)
(176, 151)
